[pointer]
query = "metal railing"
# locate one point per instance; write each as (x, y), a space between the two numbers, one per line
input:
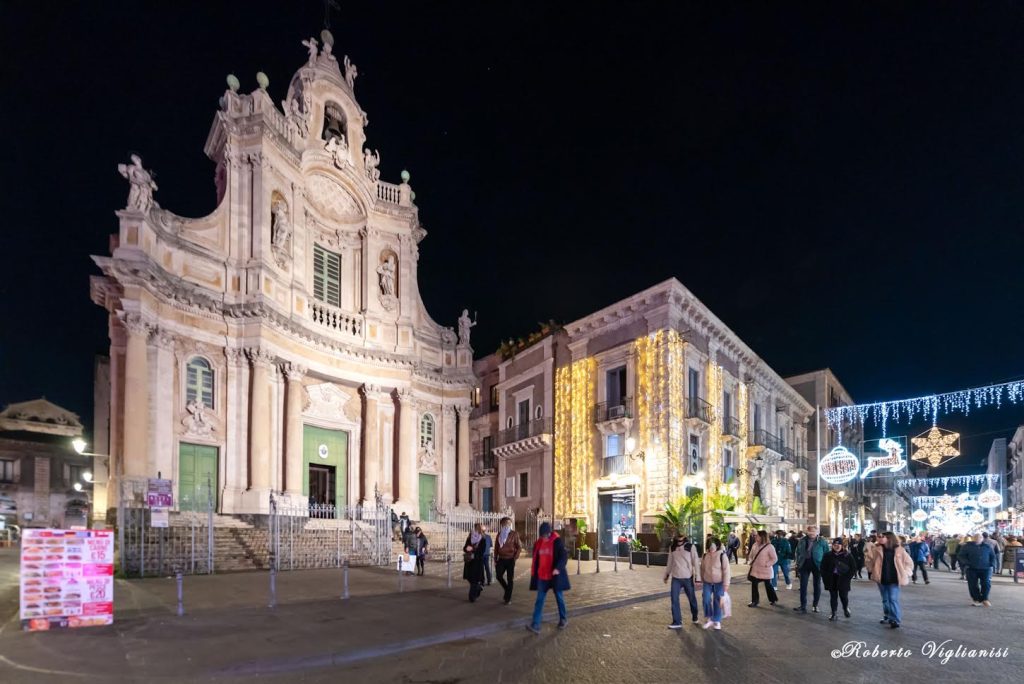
(788, 454)
(699, 409)
(612, 410)
(483, 461)
(766, 439)
(325, 536)
(458, 525)
(731, 426)
(523, 431)
(615, 465)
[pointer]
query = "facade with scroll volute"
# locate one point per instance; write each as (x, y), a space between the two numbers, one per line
(280, 343)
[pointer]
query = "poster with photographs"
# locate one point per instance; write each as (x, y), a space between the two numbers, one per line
(67, 578)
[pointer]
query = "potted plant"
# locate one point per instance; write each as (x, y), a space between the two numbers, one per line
(585, 552)
(678, 517)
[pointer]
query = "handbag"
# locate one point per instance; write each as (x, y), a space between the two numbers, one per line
(726, 602)
(750, 577)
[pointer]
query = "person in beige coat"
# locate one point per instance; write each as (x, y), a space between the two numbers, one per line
(682, 565)
(891, 568)
(714, 571)
(762, 567)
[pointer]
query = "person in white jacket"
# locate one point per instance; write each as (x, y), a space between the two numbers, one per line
(681, 566)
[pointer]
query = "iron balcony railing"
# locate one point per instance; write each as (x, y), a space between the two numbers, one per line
(789, 454)
(700, 409)
(614, 465)
(515, 433)
(611, 410)
(731, 426)
(483, 460)
(766, 439)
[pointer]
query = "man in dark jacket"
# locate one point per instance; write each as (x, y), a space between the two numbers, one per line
(506, 550)
(919, 552)
(488, 544)
(422, 546)
(837, 569)
(548, 572)
(784, 553)
(979, 560)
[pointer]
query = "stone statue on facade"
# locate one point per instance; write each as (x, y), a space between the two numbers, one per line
(372, 163)
(280, 226)
(140, 196)
(350, 73)
(386, 271)
(338, 149)
(464, 327)
(198, 421)
(311, 46)
(296, 116)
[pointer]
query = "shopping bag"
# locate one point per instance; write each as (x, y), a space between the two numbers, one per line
(726, 605)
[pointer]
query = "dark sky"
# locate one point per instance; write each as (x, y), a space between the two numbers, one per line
(841, 183)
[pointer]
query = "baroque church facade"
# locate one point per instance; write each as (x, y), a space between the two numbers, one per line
(280, 344)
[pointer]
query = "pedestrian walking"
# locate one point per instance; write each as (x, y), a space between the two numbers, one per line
(547, 572)
(919, 552)
(784, 553)
(809, 552)
(731, 547)
(993, 542)
(748, 544)
(838, 568)
(952, 549)
(411, 545)
(396, 526)
(857, 553)
(682, 565)
(715, 573)
(506, 550)
(891, 569)
(488, 545)
(939, 553)
(870, 546)
(422, 548)
(473, 562)
(762, 568)
(979, 560)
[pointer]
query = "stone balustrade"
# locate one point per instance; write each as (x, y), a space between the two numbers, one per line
(389, 192)
(335, 319)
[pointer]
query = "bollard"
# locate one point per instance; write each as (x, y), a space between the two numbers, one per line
(631, 559)
(597, 561)
(615, 561)
(401, 578)
(449, 570)
(344, 580)
(181, 603)
(273, 587)
(648, 552)
(577, 561)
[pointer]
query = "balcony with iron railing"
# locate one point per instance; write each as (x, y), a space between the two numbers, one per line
(524, 437)
(698, 409)
(613, 410)
(766, 439)
(483, 461)
(731, 427)
(615, 465)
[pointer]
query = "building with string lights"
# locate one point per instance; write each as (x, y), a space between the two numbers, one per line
(655, 398)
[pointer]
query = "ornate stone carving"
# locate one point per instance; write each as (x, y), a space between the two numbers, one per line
(427, 459)
(337, 147)
(387, 291)
(448, 337)
(199, 420)
(371, 392)
(311, 45)
(350, 73)
(235, 356)
(280, 232)
(372, 164)
(293, 371)
(465, 324)
(333, 200)
(260, 357)
(353, 408)
(163, 338)
(329, 402)
(142, 185)
(136, 324)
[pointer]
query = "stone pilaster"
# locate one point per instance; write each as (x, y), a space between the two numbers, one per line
(462, 455)
(136, 398)
(408, 442)
(259, 420)
(236, 466)
(293, 430)
(371, 441)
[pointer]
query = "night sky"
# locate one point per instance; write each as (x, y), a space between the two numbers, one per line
(842, 184)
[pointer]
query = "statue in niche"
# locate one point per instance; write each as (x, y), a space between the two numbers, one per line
(296, 116)
(311, 45)
(386, 275)
(350, 73)
(464, 327)
(197, 421)
(280, 226)
(140, 196)
(372, 164)
(338, 149)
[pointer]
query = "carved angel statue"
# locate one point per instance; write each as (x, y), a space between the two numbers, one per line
(464, 325)
(372, 161)
(296, 115)
(197, 421)
(140, 196)
(386, 273)
(337, 148)
(280, 226)
(311, 45)
(350, 73)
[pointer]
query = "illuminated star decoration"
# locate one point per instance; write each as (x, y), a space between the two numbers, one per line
(936, 446)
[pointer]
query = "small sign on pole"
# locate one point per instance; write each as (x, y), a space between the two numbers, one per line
(159, 517)
(159, 493)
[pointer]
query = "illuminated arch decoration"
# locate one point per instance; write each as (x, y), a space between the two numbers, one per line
(919, 515)
(893, 460)
(990, 498)
(936, 446)
(839, 466)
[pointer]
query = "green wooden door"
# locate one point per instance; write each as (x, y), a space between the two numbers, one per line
(197, 466)
(428, 492)
(326, 448)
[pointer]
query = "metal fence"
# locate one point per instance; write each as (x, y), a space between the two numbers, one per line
(458, 524)
(534, 519)
(325, 536)
(186, 546)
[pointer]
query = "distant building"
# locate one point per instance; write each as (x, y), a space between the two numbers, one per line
(996, 465)
(39, 467)
(1014, 504)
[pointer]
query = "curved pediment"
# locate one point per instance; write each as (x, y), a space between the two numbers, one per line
(332, 199)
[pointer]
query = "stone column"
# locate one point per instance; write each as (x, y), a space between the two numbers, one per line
(162, 406)
(371, 441)
(408, 468)
(236, 444)
(462, 454)
(259, 423)
(136, 399)
(293, 430)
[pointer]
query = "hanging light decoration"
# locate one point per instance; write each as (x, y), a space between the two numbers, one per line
(936, 446)
(990, 498)
(919, 515)
(976, 517)
(839, 466)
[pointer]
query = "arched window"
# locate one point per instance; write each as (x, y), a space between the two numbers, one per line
(426, 431)
(199, 382)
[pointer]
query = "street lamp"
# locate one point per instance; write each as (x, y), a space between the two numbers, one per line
(630, 444)
(79, 444)
(78, 486)
(796, 477)
(87, 476)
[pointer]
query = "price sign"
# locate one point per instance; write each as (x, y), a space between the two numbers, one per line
(67, 578)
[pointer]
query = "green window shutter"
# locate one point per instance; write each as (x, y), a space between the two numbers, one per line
(326, 276)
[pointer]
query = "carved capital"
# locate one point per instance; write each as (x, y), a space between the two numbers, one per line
(255, 159)
(371, 392)
(260, 357)
(162, 338)
(235, 356)
(463, 412)
(135, 324)
(406, 397)
(449, 412)
(293, 371)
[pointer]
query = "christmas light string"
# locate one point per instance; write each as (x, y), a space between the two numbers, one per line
(961, 401)
(944, 482)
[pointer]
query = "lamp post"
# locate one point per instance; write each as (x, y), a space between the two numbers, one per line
(80, 446)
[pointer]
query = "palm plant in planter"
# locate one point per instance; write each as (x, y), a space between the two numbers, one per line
(679, 517)
(581, 536)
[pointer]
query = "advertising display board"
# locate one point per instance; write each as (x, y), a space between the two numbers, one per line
(67, 578)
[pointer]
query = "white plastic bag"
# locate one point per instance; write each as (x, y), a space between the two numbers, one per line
(726, 605)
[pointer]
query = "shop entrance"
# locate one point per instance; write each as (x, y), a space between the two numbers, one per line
(617, 522)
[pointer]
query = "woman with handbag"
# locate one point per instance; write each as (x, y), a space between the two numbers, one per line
(763, 558)
(838, 567)
(473, 562)
(714, 571)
